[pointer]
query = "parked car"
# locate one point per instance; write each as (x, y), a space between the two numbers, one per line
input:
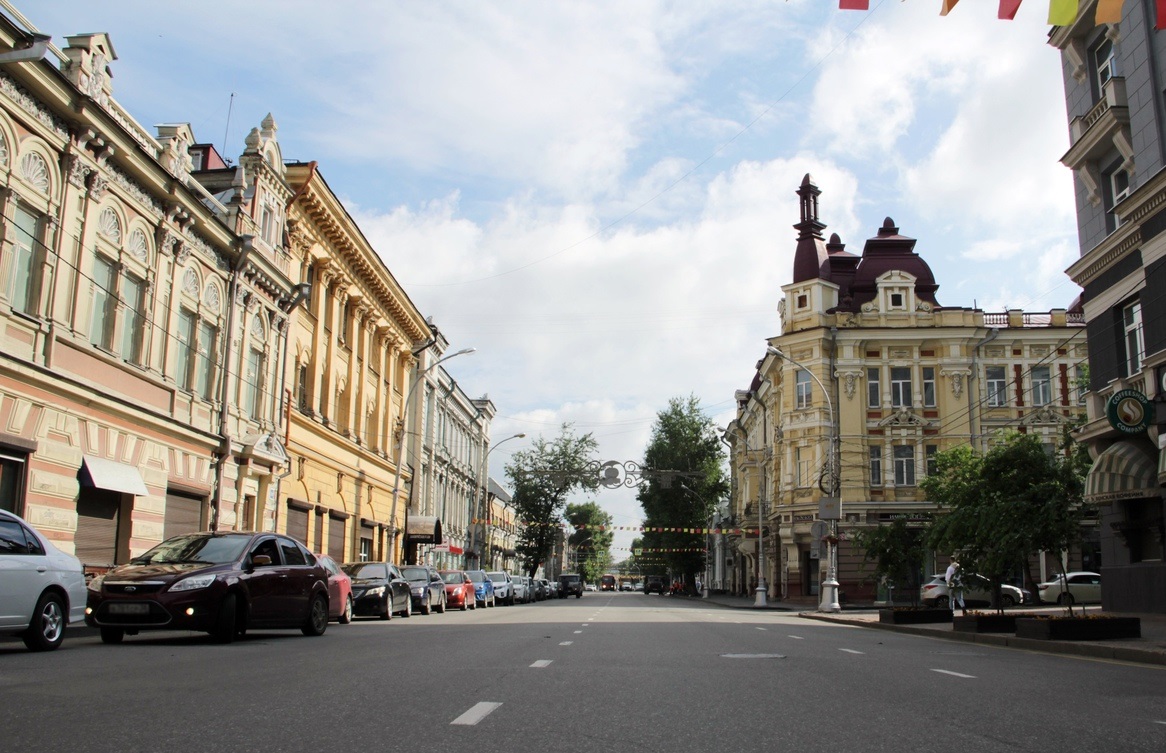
(590, 587)
(570, 583)
(1083, 587)
(459, 589)
(627, 585)
(43, 588)
(378, 589)
(426, 587)
(655, 584)
(339, 591)
(554, 586)
(544, 589)
(503, 586)
(521, 586)
(977, 592)
(483, 588)
(220, 583)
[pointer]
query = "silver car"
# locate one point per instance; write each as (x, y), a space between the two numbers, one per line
(1083, 588)
(44, 588)
(934, 593)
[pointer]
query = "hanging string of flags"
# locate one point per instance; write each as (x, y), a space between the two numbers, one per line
(1061, 12)
(641, 529)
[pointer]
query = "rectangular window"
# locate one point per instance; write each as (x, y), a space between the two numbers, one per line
(929, 455)
(104, 303)
(901, 387)
(1135, 339)
(805, 394)
(184, 352)
(1080, 383)
(802, 460)
(873, 396)
(253, 384)
(12, 482)
(1104, 65)
(997, 386)
(23, 289)
(133, 294)
(204, 360)
(929, 386)
(1042, 385)
(876, 465)
(904, 465)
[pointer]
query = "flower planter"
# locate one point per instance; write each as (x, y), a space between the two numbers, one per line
(1078, 628)
(984, 623)
(914, 616)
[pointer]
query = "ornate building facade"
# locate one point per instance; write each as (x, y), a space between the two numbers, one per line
(869, 379)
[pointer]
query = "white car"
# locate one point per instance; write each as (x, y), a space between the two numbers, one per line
(934, 593)
(503, 586)
(521, 586)
(44, 588)
(1084, 588)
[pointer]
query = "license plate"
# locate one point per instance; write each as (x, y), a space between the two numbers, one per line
(129, 608)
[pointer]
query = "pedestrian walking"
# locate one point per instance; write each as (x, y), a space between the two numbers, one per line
(955, 589)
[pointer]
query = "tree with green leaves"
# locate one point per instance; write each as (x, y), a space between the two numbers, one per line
(683, 439)
(591, 545)
(998, 508)
(543, 476)
(898, 551)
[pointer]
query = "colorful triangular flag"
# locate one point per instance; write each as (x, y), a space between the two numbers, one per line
(1108, 11)
(1062, 12)
(1008, 9)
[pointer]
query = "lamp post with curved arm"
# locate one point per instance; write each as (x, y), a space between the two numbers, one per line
(401, 446)
(704, 584)
(486, 539)
(829, 600)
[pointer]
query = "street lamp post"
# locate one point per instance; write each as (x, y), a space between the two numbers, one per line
(486, 539)
(829, 601)
(401, 446)
(761, 599)
(704, 585)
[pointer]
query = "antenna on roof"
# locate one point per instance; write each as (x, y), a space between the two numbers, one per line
(227, 130)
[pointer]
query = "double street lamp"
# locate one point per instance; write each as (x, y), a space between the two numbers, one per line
(487, 530)
(401, 445)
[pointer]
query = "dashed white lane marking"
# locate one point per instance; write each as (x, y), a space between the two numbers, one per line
(761, 628)
(954, 674)
(850, 651)
(1158, 722)
(566, 643)
(477, 713)
(578, 632)
(796, 637)
(541, 663)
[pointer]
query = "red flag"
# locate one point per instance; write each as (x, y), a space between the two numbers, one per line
(1160, 12)
(1008, 9)
(854, 4)
(947, 6)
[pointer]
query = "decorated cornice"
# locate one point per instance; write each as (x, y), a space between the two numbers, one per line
(30, 105)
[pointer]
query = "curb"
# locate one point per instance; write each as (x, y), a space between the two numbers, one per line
(1084, 649)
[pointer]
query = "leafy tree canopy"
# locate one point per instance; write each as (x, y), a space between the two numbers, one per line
(543, 476)
(898, 551)
(592, 546)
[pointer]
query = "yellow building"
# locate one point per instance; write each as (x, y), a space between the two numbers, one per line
(868, 380)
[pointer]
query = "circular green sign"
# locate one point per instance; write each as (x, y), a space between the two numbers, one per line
(1128, 411)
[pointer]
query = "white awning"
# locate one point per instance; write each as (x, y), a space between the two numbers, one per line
(100, 473)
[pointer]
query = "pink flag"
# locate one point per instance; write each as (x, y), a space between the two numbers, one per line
(854, 4)
(1008, 9)
(1062, 12)
(947, 6)
(1108, 11)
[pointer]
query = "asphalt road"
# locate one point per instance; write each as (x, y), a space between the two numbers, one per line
(608, 672)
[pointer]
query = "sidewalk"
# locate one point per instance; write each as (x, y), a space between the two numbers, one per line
(1149, 649)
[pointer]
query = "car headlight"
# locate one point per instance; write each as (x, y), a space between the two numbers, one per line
(419, 590)
(378, 591)
(193, 583)
(95, 584)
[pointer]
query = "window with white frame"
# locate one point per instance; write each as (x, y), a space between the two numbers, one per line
(253, 381)
(804, 390)
(929, 386)
(904, 465)
(27, 238)
(1042, 385)
(876, 465)
(901, 386)
(803, 460)
(104, 302)
(873, 397)
(1104, 64)
(205, 355)
(131, 321)
(997, 386)
(930, 458)
(1135, 339)
(1081, 383)
(184, 350)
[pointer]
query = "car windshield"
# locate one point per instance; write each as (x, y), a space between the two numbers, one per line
(497, 576)
(415, 573)
(364, 570)
(478, 576)
(197, 548)
(569, 578)
(453, 577)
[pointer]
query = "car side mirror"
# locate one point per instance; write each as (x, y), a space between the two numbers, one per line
(261, 560)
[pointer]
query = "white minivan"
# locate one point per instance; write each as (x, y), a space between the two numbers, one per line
(44, 588)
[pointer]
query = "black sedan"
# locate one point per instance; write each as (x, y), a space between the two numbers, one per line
(220, 583)
(427, 588)
(378, 589)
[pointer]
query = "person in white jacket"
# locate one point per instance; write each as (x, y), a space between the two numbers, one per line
(955, 591)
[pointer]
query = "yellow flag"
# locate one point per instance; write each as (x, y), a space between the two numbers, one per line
(947, 6)
(1108, 11)
(1062, 12)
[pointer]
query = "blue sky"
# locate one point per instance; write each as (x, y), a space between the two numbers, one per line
(598, 196)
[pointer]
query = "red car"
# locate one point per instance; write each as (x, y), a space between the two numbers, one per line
(459, 589)
(339, 591)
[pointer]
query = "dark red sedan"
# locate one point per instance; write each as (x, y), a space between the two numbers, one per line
(219, 583)
(459, 589)
(339, 590)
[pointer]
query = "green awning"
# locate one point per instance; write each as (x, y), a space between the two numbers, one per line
(1126, 470)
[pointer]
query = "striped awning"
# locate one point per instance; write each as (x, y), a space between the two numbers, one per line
(1126, 470)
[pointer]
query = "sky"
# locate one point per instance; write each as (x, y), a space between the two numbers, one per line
(599, 196)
